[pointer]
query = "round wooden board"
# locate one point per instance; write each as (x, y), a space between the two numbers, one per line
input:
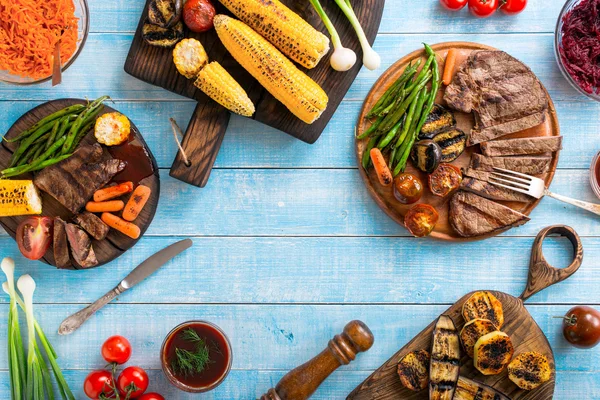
(384, 195)
(116, 243)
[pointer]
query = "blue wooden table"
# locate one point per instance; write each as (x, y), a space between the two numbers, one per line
(288, 245)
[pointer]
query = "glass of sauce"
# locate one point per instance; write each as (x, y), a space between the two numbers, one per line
(216, 345)
(595, 175)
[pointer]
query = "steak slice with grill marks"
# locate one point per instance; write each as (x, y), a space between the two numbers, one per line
(60, 246)
(522, 146)
(530, 165)
(491, 191)
(92, 225)
(81, 246)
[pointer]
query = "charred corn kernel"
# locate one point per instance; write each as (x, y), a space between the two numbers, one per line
(291, 34)
(19, 198)
(217, 84)
(300, 94)
(189, 57)
(112, 129)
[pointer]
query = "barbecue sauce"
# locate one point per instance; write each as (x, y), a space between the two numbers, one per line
(139, 164)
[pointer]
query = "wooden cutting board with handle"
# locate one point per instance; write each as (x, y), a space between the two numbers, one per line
(209, 121)
(525, 334)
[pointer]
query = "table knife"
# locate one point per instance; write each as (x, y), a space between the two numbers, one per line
(141, 272)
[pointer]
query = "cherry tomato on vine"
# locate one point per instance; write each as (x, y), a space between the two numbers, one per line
(116, 349)
(132, 380)
(453, 5)
(98, 383)
(34, 235)
(151, 396)
(581, 327)
(483, 8)
(512, 7)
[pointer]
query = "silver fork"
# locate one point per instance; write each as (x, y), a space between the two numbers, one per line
(535, 187)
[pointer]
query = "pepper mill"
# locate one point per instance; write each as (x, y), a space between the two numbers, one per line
(303, 381)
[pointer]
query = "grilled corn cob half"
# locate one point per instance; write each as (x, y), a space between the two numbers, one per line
(217, 84)
(300, 94)
(484, 305)
(19, 198)
(472, 390)
(189, 57)
(529, 370)
(413, 370)
(444, 366)
(295, 37)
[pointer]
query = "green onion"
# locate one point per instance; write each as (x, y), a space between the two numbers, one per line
(371, 59)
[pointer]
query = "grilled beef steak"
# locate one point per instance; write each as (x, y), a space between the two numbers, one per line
(491, 191)
(531, 165)
(72, 182)
(472, 215)
(81, 247)
(523, 146)
(92, 225)
(60, 245)
(503, 93)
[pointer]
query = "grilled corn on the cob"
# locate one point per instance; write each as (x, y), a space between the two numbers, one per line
(300, 94)
(19, 198)
(295, 37)
(529, 370)
(189, 57)
(112, 129)
(217, 84)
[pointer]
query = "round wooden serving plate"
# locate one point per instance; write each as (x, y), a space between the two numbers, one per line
(116, 243)
(384, 195)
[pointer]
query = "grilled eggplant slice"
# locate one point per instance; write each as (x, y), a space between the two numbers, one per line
(493, 353)
(413, 370)
(529, 370)
(165, 13)
(468, 389)
(452, 143)
(162, 37)
(444, 367)
(484, 305)
(472, 331)
(426, 155)
(440, 119)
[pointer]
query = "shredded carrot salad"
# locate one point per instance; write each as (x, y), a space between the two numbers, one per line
(29, 30)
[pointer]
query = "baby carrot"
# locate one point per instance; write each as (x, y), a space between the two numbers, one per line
(113, 191)
(136, 202)
(449, 67)
(383, 172)
(126, 228)
(104, 206)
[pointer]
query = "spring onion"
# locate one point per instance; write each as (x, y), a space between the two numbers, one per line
(371, 59)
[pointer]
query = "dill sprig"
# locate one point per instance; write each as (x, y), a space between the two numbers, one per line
(188, 363)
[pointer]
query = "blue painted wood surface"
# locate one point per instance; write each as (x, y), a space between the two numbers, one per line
(288, 246)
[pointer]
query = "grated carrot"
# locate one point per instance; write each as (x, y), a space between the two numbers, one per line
(29, 30)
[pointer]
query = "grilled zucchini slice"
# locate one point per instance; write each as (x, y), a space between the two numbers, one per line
(484, 305)
(452, 143)
(473, 390)
(413, 370)
(472, 331)
(493, 353)
(444, 366)
(440, 119)
(529, 370)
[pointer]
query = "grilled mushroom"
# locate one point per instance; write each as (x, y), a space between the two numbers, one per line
(162, 37)
(165, 13)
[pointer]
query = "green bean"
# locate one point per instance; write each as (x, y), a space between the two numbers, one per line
(390, 135)
(24, 145)
(50, 118)
(74, 130)
(82, 133)
(53, 133)
(435, 84)
(366, 157)
(371, 129)
(388, 97)
(50, 162)
(38, 151)
(48, 153)
(422, 73)
(421, 99)
(408, 123)
(391, 160)
(10, 172)
(29, 155)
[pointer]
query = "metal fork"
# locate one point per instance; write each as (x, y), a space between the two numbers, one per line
(534, 187)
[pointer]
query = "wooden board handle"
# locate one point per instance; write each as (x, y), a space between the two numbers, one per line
(201, 143)
(302, 382)
(542, 274)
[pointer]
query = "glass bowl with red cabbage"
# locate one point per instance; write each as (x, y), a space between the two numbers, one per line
(577, 45)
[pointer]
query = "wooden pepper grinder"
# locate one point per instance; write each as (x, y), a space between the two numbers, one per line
(303, 381)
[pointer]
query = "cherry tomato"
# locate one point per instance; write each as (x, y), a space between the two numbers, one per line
(512, 7)
(132, 380)
(421, 219)
(483, 8)
(151, 396)
(581, 327)
(444, 180)
(34, 236)
(408, 188)
(198, 15)
(116, 349)
(453, 5)
(98, 383)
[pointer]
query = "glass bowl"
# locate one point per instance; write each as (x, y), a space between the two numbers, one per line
(83, 28)
(594, 169)
(557, 45)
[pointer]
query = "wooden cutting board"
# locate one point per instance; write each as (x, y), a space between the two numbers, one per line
(116, 243)
(525, 334)
(209, 121)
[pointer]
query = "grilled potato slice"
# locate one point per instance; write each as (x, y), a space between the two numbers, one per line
(444, 366)
(529, 370)
(493, 353)
(440, 119)
(473, 390)
(484, 305)
(413, 370)
(472, 331)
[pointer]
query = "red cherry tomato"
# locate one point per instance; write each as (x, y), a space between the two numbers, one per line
(408, 189)
(151, 396)
(445, 180)
(198, 15)
(98, 383)
(512, 7)
(116, 349)
(34, 235)
(132, 380)
(453, 5)
(581, 327)
(483, 8)
(421, 219)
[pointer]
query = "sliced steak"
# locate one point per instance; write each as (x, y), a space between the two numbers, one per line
(523, 146)
(472, 215)
(491, 191)
(81, 247)
(72, 182)
(532, 165)
(92, 225)
(60, 246)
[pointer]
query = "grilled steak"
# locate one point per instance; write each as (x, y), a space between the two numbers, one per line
(524, 146)
(491, 191)
(532, 165)
(92, 225)
(81, 247)
(503, 93)
(72, 182)
(60, 245)
(472, 215)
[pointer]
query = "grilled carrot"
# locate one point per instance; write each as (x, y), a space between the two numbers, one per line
(126, 228)
(113, 191)
(136, 202)
(383, 172)
(449, 67)
(104, 206)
